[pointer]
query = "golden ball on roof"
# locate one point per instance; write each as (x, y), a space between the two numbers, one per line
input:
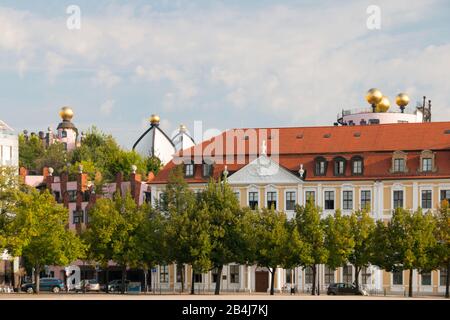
(183, 128)
(402, 100)
(383, 105)
(66, 113)
(154, 119)
(374, 96)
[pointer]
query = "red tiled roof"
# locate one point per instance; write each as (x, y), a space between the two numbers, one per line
(375, 143)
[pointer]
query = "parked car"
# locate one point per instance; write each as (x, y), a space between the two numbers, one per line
(45, 284)
(345, 289)
(116, 285)
(88, 285)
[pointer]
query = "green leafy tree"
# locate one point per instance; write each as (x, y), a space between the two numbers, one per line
(362, 227)
(29, 150)
(312, 235)
(122, 161)
(223, 210)
(41, 224)
(442, 234)
(272, 237)
(338, 240)
(407, 244)
(54, 156)
(9, 190)
(153, 164)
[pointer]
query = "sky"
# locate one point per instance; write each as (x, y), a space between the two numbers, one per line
(229, 64)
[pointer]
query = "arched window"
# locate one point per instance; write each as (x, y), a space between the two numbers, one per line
(64, 134)
(357, 165)
(320, 167)
(339, 166)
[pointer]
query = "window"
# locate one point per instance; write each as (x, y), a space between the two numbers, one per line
(64, 134)
(289, 276)
(57, 195)
(207, 169)
(272, 199)
(65, 146)
(161, 199)
(88, 217)
(329, 200)
(374, 121)
(329, 275)
(357, 166)
(365, 199)
(399, 165)
(189, 169)
(442, 276)
(365, 275)
(426, 278)
(253, 200)
(164, 274)
(347, 200)
(308, 275)
(78, 216)
(180, 270)
(427, 164)
(198, 278)
(397, 278)
(426, 199)
(339, 166)
(321, 167)
(72, 195)
(290, 200)
(310, 196)
(347, 274)
(445, 195)
(215, 275)
(398, 199)
(234, 273)
(147, 197)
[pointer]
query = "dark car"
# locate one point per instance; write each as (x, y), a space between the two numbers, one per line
(45, 284)
(116, 285)
(345, 289)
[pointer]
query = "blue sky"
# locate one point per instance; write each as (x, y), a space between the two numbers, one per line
(227, 63)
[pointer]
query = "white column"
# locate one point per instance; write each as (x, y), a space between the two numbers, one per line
(241, 278)
(153, 196)
(278, 282)
(415, 195)
(319, 195)
(300, 195)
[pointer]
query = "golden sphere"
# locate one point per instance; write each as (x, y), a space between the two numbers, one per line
(383, 105)
(402, 100)
(66, 113)
(154, 119)
(183, 128)
(374, 96)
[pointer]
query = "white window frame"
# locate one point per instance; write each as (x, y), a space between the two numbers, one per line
(398, 187)
(253, 188)
(403, 279)
(285, 199)
(271, 188)
(426, 285)
(308, 190)
(329, 211)
(360, 197)
(426, 188)
(346, 188)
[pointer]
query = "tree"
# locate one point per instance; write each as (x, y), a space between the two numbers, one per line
(272, 237)
(442, 234)
(407, 244)
(362, 228)
(338, 241)
(223, 212)
(153, 164)
(54, 156)
(30, 149)
(312, 235)
(41, 224)
(9, 187)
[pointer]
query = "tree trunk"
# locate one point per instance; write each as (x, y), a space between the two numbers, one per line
(357, 271)
(107, 278)
(410, 289)
(37, 270)
(145, 279)
(182, 278)
(318, 280)
(124, 277)
(274, 270)
(192, 282)
(447, 281)
(313, 289)
(219, 280)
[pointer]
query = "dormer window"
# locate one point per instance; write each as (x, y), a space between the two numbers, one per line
(189, 169)
(427, 161)
(399, 162)
(320, 166)
(339, 166)
(207, 169)
(357, 165)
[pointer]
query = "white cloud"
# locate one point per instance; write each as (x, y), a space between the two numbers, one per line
(107, 107)
(106, 78)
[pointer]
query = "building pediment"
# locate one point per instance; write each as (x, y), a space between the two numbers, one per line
(263, 170)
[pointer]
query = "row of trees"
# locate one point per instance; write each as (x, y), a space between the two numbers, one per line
(99, 154)
(208, 230)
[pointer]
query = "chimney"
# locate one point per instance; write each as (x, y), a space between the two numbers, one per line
(65, 195)
(135, 184)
